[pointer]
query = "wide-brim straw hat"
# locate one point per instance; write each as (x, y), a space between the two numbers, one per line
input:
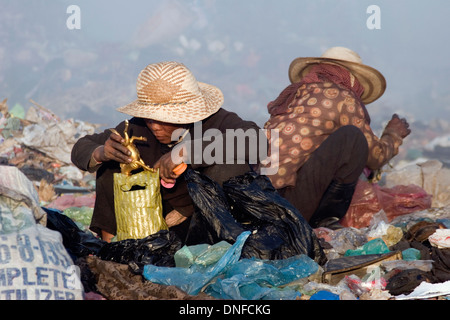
(371, 79)
(169, 92)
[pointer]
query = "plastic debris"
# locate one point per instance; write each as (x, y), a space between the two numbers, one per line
(440, 238)
(202, 254)
(193, 279)
(427, 290)
(386, 225)
(256, 279)
(411, 254)
(250, 202)
(77, 242)
(424, 265)
(82, 216)
(374, 246)
(38, 143)
(430, 175)
(324, 295)
(369, 198)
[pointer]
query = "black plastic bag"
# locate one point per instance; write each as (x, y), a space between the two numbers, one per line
(250, 202)
(77, 242)
(157, 249)
(212, 221)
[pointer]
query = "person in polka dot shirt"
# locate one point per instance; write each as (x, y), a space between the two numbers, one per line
(324, 136)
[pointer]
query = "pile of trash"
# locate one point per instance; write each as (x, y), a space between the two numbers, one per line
(395, 243)
(39, 143)
(407, 257)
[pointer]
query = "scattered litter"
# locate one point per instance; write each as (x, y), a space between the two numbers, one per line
(370, 198)
(375, 246)
(39, 144)
(191, 280)
(430, 175)
(201, 254)
(427, 290)
(66, 201)
(249, 202)
(324, 295)
(394, 244)
(440, 238)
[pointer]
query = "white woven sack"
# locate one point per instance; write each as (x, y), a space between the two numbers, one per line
(34, 265)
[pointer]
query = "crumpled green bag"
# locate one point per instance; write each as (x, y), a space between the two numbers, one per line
(137, 204)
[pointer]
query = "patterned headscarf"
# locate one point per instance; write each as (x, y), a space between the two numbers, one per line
(318, 73)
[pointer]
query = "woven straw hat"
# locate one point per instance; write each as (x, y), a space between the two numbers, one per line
(371, 79)
(169, 92)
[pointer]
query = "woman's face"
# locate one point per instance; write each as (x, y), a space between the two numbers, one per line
(162, 130)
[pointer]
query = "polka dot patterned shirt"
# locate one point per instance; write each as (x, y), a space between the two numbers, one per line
(318, 110)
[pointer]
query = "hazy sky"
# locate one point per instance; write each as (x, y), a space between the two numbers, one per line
(242, 46)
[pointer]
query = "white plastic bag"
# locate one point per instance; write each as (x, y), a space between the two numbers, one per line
(440, 238)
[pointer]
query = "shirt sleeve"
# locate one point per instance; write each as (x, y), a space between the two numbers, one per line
(83, 149)
(383, 149)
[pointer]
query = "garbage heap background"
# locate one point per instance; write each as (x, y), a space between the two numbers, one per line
(39, 143)
(401, 211)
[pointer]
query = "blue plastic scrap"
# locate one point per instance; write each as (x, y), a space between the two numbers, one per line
(411, 254)
(235, 278)
(193, 279)
(201, 254)
(324, 295)
(255, 279)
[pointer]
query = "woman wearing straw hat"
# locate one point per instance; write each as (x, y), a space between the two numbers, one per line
(169, 99)
(325, 138)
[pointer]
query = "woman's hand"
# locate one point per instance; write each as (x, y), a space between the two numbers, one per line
(399, 126)
(113, 150)
(166, 166)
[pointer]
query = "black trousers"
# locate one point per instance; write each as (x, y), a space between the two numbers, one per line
(341, 158)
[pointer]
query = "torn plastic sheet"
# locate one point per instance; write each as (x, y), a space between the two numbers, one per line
(55, 139)
(201, 254)
(192, 280)
(238, 279)
(427, 290)
(255, 279)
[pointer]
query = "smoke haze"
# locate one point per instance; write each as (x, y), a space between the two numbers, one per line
(242, 46)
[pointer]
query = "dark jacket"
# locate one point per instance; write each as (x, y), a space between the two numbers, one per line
(176, 198)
